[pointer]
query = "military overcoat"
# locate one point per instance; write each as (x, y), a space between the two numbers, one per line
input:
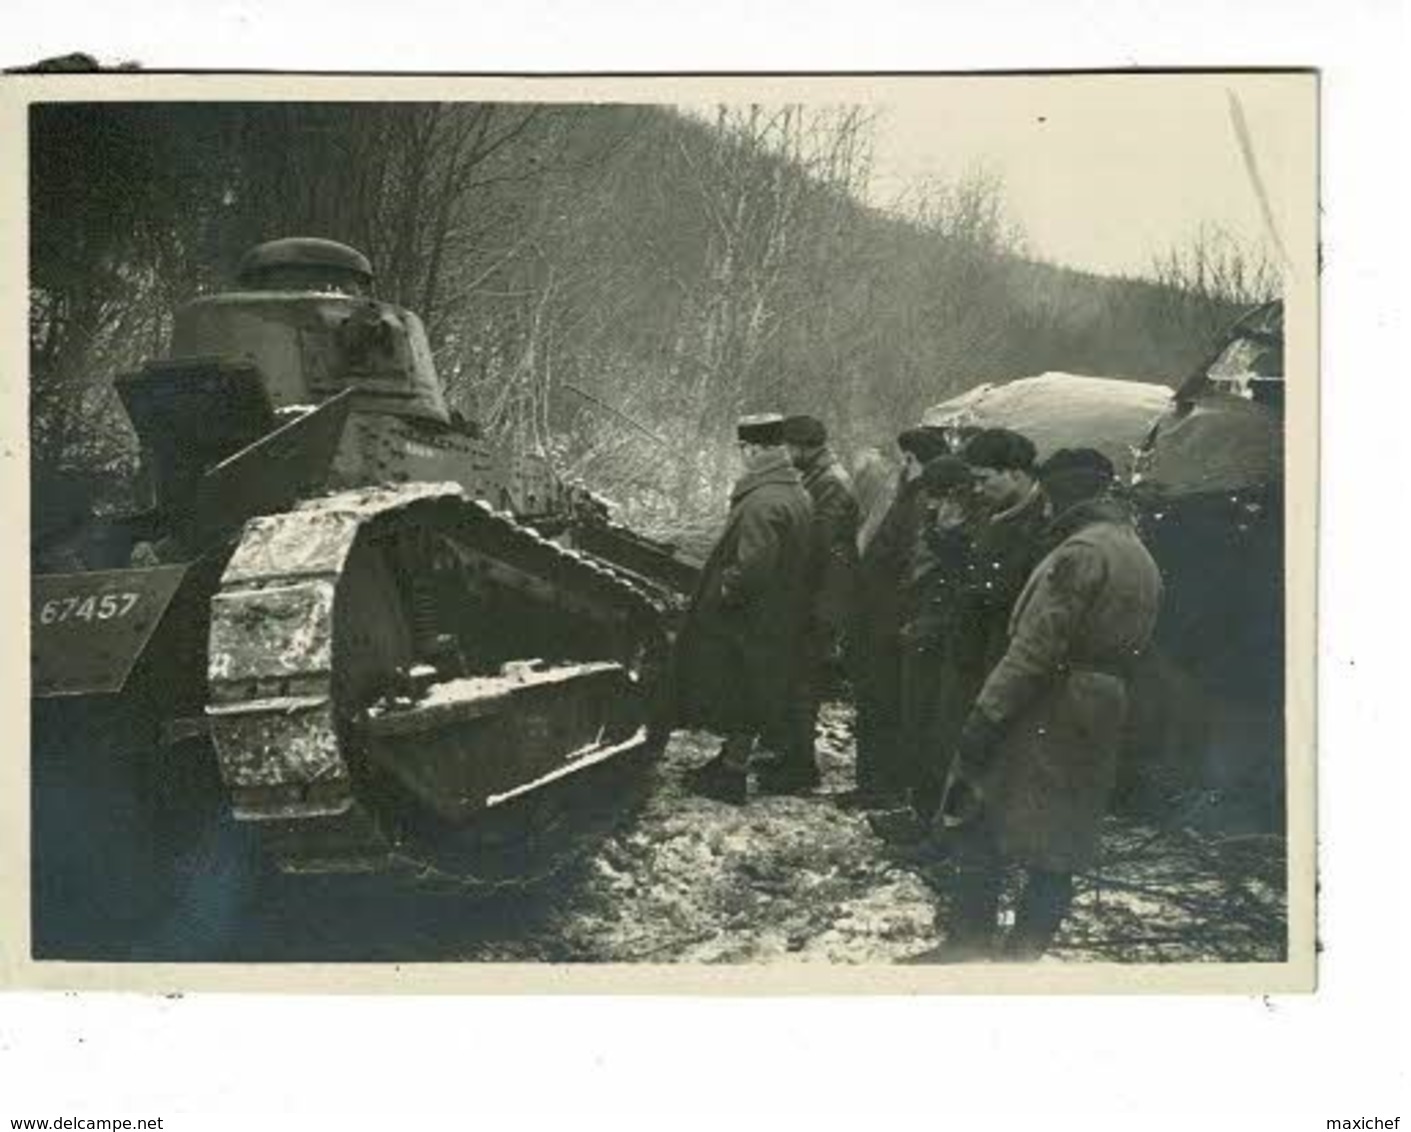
(742, 643)
(1003, 550)
(836, 517)
(1059, 693)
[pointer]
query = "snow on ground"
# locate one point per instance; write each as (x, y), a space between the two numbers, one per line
(797, 880)
(780, 879)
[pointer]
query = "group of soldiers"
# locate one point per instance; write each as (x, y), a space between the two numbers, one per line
(987, 629)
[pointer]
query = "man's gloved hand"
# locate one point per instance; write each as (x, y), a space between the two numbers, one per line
(731, 596)
(961, 803)
(963, 798)
(978, 740)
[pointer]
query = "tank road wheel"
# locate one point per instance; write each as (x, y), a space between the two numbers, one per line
(373, 657)
(373, 648)
(406, 682)
(415, 604)
(399, 604)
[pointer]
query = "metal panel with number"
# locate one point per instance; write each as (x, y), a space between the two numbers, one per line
(87, 630)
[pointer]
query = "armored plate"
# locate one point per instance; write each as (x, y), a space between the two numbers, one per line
(274, 472)
(87, 630)
(1218, 444)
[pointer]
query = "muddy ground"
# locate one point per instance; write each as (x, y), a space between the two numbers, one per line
(785, 880)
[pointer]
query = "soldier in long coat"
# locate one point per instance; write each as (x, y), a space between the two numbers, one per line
(1005, 522)
(875, 652)
(933, 628)
(1037, 758)
(836, 517)
(742, 643)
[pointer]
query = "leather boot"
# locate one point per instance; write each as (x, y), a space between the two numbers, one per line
(1045, 902)
(973, 913)
(868, 798)
(789, 778)
(725, 778)
(719, 781)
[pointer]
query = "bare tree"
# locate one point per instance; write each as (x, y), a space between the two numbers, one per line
(945, 265)
(122, 201)
(1214, 274)
(757, 177)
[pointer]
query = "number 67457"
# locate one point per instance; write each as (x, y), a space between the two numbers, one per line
(87, 608)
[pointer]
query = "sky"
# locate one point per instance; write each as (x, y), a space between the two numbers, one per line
(1105, 173)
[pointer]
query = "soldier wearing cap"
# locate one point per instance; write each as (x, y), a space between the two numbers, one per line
(1035, 765)
(836, 517)
(742, 644)
(933, 698)
(1008, 542)
(876, 638)
(1005, 528)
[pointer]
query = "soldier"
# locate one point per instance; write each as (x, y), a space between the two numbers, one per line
(836, 517)
(1007, 542)
(876, 652)
(742, 643)
(1036, 761)
(939, 571)
(835, 521)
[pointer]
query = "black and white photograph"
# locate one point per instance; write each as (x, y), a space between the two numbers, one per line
(858, 528)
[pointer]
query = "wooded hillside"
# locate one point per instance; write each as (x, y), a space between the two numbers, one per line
(610, 284)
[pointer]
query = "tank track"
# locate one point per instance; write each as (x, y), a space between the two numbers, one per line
(274, 708)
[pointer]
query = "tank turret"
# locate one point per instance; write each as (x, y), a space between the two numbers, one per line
(305, 263)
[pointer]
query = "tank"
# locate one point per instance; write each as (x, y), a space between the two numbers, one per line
(350, 634)
(1209, 482)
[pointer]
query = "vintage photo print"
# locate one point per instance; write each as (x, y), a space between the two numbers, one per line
(761, 533)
